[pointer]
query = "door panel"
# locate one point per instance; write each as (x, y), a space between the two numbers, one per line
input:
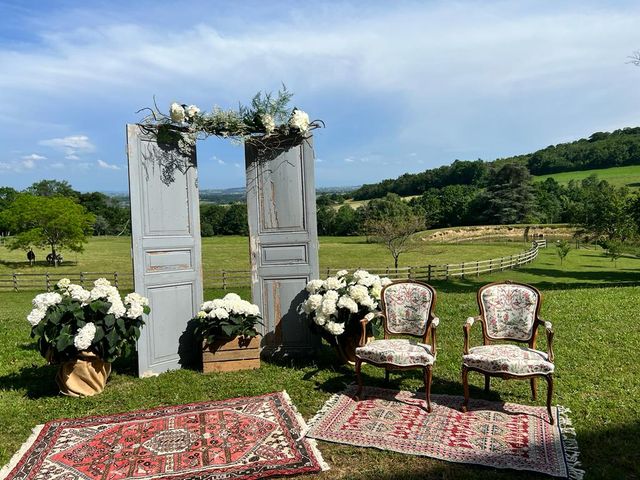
(166, 251)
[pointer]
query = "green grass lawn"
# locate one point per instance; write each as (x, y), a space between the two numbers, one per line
(594, 308)
(620, 176)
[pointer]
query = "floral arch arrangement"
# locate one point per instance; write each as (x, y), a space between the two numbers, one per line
(268, 123)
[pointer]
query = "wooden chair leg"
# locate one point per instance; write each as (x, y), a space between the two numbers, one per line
(465, 384)
(358, 367)
(386, 375)
(487, 383)
(549, 395)
(534, 390)
(427, 386)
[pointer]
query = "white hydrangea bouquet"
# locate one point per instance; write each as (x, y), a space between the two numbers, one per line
(225, 318)
(71, 320)
(337, 304)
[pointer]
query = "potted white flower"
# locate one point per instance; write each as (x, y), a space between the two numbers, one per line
(84, 331)
(227, 328)
(336, 305)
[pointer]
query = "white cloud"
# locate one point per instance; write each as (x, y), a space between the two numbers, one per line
(349, 160)
(34, 156)
(108, 166)
(72, 157)
(57, 165)
(70, 145)
(28, 164)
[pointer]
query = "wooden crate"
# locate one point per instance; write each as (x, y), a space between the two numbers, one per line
(231, 355)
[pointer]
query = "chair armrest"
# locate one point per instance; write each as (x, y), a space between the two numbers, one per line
(435, 321)
(363, 326)
(550, 333)
(466, 329)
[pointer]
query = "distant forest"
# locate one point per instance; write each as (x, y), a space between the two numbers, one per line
(600, 150)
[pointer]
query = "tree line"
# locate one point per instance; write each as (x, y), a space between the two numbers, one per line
(600, 150)
(603, 211)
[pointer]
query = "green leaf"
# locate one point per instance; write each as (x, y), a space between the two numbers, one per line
(229, 330)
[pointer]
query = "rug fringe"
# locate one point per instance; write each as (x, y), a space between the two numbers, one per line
(303, 432)
(6, 470)
(328, 405)
(572, 452)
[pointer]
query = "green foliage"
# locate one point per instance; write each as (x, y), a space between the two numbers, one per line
(509, 199)
(52, 188)
(613, 249)
(562, 249)
(226, 318)
(57, 222)
(62, 322)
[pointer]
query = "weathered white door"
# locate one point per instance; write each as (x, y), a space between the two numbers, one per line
(165, 236)
(281, 202)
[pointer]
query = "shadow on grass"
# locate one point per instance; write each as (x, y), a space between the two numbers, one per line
(37, 381)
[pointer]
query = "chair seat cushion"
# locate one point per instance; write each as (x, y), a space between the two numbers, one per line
(512, 359)
(399, 352)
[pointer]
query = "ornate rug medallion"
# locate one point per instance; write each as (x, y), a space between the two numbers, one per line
(500, 435)
(243, 438)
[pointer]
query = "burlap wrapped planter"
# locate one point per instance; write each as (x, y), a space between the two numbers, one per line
(83, 376)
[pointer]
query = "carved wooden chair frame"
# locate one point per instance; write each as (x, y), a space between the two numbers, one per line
(487, 340)
(429, 338)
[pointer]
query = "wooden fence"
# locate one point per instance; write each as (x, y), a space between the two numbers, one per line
(226, 279)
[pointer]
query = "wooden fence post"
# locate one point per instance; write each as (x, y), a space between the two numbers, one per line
(47, 281)
(446, 272)
(15, 282)
(224, 280)
(82, 279)
(462, 266)
(115, 279)
(429, 273)
(477, 268)
(409, 272)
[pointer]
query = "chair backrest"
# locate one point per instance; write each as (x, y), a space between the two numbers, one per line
(509, 310)
(407, 306)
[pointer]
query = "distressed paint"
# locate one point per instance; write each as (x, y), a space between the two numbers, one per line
(283, 242)
(166, 251)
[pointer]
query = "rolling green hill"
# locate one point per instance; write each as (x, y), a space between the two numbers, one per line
(628, 176)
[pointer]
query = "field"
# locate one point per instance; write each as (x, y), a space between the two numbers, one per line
(620, 176)
(592, 304)
(108, 254)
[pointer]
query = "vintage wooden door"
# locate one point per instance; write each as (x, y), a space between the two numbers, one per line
(283, 242)
(165, 236)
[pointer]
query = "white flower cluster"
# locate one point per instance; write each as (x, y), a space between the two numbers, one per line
(179, 113)
(340, 294)
(40, 305)
(103, 290)
(269, 123)
(231, 304)
(299, 120)
(85, 336)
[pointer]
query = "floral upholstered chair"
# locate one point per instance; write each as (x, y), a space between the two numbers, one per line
(407, 310)
(509, 312)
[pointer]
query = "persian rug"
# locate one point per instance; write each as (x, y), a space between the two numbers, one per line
(500, 435)
(241, 438)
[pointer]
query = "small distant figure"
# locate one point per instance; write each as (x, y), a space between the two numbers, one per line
(31, 257)
(51, 260)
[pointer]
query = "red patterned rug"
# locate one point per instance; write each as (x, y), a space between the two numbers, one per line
(242, 438)
(501, 435)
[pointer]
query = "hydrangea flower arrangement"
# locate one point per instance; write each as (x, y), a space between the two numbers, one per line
(225, 318)
(72, 319)
(338, 303)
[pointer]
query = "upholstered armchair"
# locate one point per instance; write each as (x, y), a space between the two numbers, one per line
(509, 312)
(407, 310)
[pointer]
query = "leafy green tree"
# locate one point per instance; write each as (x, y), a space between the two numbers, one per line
(345, 221)
(235, 220)
(212, 219)
(113, 216)
(509, 199)
(52, 188)
(7, 196)
(613, 250)
(55, 222)
(325, 217)
(562, 249)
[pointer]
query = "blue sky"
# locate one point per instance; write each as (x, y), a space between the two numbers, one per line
(402, 86)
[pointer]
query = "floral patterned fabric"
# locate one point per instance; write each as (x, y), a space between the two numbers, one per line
(509, 310)
(511, 359)
(407, 307)
(398, 352)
